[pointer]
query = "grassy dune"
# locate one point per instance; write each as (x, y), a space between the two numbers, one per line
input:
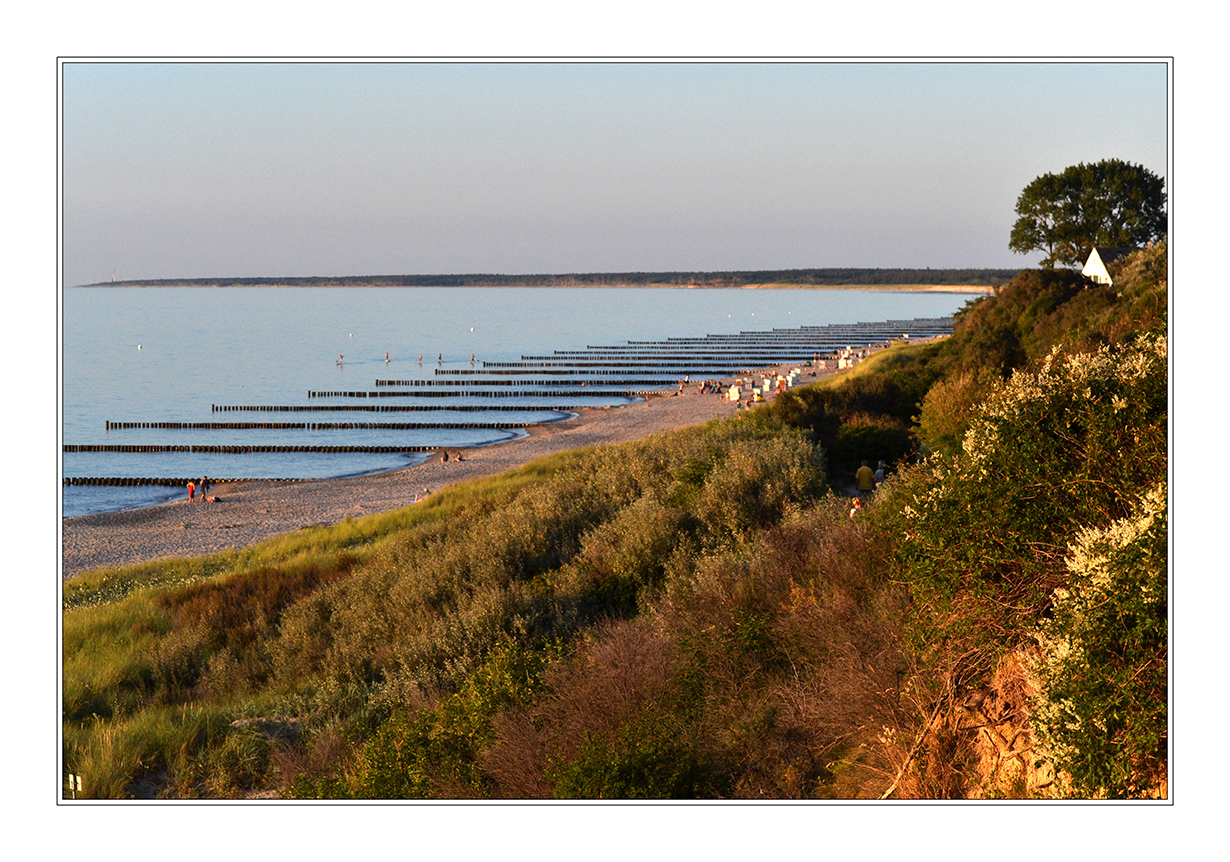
(695, 614)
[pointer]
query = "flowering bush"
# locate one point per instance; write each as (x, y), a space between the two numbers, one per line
(1041, 516)
(1102, 714)
(1047, 454)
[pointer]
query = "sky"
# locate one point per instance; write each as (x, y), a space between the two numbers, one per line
(251, 169)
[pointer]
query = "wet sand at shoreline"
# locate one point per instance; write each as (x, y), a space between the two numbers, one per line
(249, 512)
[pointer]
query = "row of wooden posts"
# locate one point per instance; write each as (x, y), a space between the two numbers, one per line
(240, 450)
(146, 480)
(383, 408)
(307, 426)
(416, 393)
(622, 382)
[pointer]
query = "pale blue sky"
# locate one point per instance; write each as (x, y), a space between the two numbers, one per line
(199, 170)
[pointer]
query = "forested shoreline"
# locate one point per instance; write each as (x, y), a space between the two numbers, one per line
(831, 277)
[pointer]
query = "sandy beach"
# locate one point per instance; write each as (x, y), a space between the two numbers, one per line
(249, 512)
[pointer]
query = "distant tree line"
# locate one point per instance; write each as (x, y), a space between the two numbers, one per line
(827, 277)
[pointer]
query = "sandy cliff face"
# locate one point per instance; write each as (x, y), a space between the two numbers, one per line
(1005, 758)
(996, 717)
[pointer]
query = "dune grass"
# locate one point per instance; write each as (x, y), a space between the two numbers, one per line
(361, 616)
(359, 536)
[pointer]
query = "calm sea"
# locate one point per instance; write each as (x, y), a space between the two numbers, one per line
(169, 354)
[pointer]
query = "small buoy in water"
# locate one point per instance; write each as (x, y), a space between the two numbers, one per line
(138, 347)
(471, 328)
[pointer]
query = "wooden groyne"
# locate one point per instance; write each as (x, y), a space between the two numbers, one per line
(387, 408)
(679, 368)
(207, 426)
(214, 449)
(478, 393)
(309, 426)
(172, 482)
(651, 376)
(521, 381)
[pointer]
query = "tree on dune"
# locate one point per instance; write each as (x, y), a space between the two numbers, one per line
(1110, 203)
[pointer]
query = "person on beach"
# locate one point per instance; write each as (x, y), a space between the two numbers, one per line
(204, 488)
(191, 490)
(866, 480)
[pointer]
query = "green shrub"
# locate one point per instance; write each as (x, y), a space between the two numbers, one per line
(622, 560)
(221, 625)
(757, 483)
(863, 414)
(241, 762)
(871, 439)
(949, 406)
(998, 332)
(646, 757)
(436, 751)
